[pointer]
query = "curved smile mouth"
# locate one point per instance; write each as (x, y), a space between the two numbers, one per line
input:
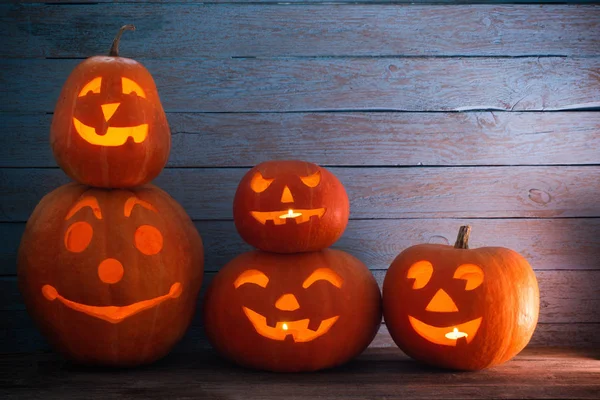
(112, 314)
(115, 136)
(299, 216)
(297, 329)
(448, 335)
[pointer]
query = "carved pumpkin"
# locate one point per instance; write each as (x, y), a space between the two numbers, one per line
(461, 309)
(290, 207)
(109, 128)
(292, 312)
(111, 277)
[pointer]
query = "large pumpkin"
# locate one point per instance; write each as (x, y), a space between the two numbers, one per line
(109, 128)
(292, 312)
(111, 277)
(290, 206)
(457, 308)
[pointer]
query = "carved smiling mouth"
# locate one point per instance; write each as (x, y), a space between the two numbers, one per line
(447, 335)
(115, 136)
(298, 329)
(112, 314)
(299, 216)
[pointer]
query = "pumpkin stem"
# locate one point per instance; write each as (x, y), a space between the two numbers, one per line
(462, 240)
(114, 49)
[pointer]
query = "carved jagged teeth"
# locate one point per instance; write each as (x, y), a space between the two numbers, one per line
(279, 221)
(314, 325)
(271, 322)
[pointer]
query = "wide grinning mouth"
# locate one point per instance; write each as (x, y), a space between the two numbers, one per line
(447, 335)
(297, 329)
(112, 314)
(114, 136)
(298, 216)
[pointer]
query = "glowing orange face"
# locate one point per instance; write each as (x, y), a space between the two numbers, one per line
(290, 207)
(441, 303)
(147, 239)
(114, 126)
(298, 329)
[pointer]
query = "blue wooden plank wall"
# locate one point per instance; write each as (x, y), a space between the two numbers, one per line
(432, 115)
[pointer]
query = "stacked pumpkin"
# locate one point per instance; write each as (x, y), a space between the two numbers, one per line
(293, 305)
(110, 267)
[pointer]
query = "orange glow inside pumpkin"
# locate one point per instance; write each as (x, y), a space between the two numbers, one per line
(421, 272)
(449, 335)
(114, 136)
(112, 314)
(148, 240)
(288, 302)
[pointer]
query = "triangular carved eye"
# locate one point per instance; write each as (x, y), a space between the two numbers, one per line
(260, 184)
(312, 180)
(470, 273)
(421, 272)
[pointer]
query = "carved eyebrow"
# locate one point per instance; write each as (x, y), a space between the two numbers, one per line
(87, 201)
(323, 274)
(132, 202)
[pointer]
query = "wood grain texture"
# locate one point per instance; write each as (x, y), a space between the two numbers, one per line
(27, 338)
(548, 244)
(566, 296)
(425, 2)
(465, 192)
(173, 30)
(376, 374)
(365, 139)
(322, 84)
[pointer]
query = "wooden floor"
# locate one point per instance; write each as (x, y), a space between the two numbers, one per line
(377, 374)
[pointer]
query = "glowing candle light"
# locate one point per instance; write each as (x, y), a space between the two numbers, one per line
(284, 326)
(455, 334)
(290, 214)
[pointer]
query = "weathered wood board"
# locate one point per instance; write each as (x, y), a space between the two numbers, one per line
(334, 84)
(371, 139)
(548, 244)
(432, 115)
(208, 30)
(465, 192)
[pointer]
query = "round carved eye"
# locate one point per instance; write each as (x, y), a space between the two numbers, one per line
(78, 236)
(260, 184)
(148, 240)
(421, 272)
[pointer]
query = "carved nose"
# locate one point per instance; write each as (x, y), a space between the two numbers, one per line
(441, 302)
(286, 196)
(109, 109)
(287, 302)
(110, 270)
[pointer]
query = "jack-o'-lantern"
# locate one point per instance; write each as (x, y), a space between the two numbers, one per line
(292, 312)
(457, 308)
(111, 277)
(109, 128)
(290, 206)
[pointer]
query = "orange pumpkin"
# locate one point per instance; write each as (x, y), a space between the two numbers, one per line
(109, 128)
(111, 277)
(461, 309)
(292, 312)
(290, 206)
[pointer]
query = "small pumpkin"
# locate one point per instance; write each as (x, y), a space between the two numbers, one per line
(290, 206)
(109, 128)
(292, 312)
(458, 308)
(111, 277)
